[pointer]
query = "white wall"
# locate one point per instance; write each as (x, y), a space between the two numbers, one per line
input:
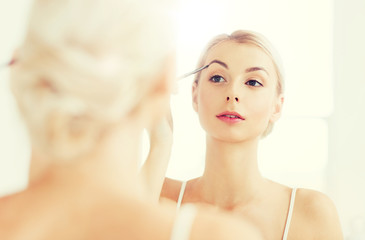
(14, 148)
(346, 172)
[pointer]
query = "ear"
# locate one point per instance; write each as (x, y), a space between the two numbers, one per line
(277, 108)
(14, 57)
(195, 96)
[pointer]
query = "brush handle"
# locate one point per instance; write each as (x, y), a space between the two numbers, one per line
(193, 72)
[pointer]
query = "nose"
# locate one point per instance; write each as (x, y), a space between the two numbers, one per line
(233, 99)
(233, 90)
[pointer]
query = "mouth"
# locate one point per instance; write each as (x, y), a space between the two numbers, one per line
(230, 117)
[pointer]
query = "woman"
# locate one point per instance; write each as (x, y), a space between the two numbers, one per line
(89, 77)
(238, 96)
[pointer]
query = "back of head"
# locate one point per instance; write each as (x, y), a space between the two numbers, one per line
(85, 64)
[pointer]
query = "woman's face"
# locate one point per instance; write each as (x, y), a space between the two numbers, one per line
(236, 95)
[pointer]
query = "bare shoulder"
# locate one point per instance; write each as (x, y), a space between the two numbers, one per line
(5, 224)
(171, 189)
(314, 205)
(316, 215)
(14, 214)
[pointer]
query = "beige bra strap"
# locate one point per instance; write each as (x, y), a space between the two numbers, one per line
(181, 195)
(183, 222)
(290, 213)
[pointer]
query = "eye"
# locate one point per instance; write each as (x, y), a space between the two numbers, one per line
(216, 79)
(253, 83)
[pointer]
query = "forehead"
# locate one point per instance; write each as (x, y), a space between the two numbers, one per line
(244, 55)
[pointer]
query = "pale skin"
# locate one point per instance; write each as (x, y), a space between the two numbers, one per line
(103, 195)
(242, 79)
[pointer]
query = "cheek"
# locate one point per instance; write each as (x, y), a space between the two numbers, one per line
(259, 108)
(209, 102)
(206, 101)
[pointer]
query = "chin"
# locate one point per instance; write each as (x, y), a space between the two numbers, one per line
(233, 137)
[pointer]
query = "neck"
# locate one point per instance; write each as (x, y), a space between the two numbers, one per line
(231, 173)
(114, 160)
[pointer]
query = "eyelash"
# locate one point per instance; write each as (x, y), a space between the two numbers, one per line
(248, 83)
(255, 82)
(212, 79)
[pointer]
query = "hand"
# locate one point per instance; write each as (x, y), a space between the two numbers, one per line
(154, 169)
(160, 135)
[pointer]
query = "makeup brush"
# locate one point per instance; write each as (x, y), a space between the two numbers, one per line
(193, 72)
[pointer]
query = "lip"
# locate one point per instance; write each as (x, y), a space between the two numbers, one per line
(230, 117)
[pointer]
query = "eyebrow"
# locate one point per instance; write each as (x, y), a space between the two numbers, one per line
(248, 70)
(254, 69)
(219, 62)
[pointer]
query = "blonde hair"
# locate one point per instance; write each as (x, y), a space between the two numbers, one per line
(84, 65)
(248, 37)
